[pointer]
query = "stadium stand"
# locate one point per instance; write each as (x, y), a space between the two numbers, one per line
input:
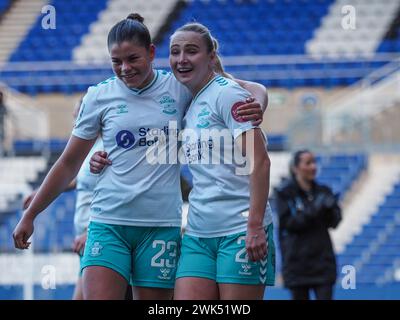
(73, 19)
(391, 41)
(81, 39)
(3, 6)
(15, 173)
(93, 44)
(340, 171)
(54, 230)
(336, 36)
(375, 249)
(268, 27)
(12, 292)
(265, 41)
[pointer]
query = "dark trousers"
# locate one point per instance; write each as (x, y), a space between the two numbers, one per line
(322, 292)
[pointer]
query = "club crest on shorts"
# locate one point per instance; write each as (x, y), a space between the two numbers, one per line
(95, 250)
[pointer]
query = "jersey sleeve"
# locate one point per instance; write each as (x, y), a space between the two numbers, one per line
(229, 100)
(88, 123)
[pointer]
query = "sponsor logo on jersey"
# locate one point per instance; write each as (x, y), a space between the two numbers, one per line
(122, 108)
(125, 139)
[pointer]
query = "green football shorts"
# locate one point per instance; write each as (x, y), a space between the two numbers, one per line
(144, 256)
(224, 260)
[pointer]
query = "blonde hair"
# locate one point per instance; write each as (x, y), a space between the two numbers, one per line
(210, 41)
(218, 66)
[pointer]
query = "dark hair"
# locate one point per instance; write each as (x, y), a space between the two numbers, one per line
(296, 158)
(130, 29)
(211, 43)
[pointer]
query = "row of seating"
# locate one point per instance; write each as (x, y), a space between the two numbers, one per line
(225, 20)
(379, 241)
(279, 33)
(16, 292)
(32, 147)
(65, 37)
(328, 74)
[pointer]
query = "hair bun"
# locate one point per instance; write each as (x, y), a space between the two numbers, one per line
(135, 16)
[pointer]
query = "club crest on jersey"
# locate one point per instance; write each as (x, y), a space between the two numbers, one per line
(234, 111)
(202, 117)
(168, 105)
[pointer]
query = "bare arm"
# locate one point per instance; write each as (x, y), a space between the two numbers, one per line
(253, 146)
(56, 181)
(258, 91)
(28, 199)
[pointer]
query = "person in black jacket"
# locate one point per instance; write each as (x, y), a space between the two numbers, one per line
(306, 211)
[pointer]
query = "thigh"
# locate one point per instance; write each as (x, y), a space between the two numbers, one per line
(194, 288)
(155, 259)
(78, 292)
(143, 293)
(234, 266)
(323, 292)
(106, 247)
(102, 283)
(300, 293)
(229, 291)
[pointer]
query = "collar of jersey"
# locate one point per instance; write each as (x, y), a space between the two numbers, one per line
(204, 88)
(140, 91)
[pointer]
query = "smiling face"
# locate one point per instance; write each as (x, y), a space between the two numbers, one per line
(190, 60)
(306, 170)
(132, 63)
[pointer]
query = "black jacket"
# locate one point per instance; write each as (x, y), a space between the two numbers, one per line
(304, 218)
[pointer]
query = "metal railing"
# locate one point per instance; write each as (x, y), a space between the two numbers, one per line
(244, 67)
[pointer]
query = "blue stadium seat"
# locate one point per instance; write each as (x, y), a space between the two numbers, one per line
(11, 292)
(61, 292)
(267, 22)
(75, 18)
(4, 4)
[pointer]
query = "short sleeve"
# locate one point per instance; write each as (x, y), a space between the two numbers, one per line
(228, 102)
(88, 123)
